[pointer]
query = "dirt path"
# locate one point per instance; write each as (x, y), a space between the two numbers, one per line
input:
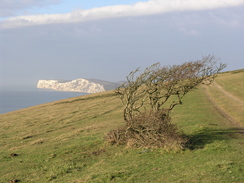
(225, 114)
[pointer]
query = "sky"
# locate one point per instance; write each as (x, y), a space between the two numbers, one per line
(70, 39)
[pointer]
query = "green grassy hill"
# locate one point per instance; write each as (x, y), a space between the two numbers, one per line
(62, 141)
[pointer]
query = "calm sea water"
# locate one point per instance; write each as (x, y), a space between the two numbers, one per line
(11, 100)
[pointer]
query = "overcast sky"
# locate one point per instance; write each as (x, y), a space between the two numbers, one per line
(70, 39)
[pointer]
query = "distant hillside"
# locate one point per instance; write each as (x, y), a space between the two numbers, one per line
(106, 84)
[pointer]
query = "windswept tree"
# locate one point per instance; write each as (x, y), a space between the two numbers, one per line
(149, 97)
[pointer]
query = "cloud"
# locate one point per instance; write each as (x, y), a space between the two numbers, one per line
(141, 8)
(231, 19)
(13, 7)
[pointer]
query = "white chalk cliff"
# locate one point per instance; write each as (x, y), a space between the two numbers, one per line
(78, 85)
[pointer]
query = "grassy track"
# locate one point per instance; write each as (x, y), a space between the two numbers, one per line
(233, 82)
(228, 95)
(62, 141)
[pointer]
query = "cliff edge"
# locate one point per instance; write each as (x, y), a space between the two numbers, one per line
(78, 85)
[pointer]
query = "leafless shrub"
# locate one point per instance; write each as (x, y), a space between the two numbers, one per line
(157, 84)
(144, 97)
(148, 129)
(116, 137)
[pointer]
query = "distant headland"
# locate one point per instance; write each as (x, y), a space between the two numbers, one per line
(78, 85)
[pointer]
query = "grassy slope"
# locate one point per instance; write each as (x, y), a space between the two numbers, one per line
(233, 82)
(62, 141)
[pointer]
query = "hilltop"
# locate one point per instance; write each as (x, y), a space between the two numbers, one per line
(62, 141)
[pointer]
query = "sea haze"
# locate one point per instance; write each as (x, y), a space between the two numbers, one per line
(15, 99)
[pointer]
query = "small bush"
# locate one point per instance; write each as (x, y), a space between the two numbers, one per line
(148, 129)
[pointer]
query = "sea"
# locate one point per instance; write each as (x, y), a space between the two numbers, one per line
(12, 99)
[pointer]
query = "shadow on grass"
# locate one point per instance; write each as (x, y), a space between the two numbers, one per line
(206, 136)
